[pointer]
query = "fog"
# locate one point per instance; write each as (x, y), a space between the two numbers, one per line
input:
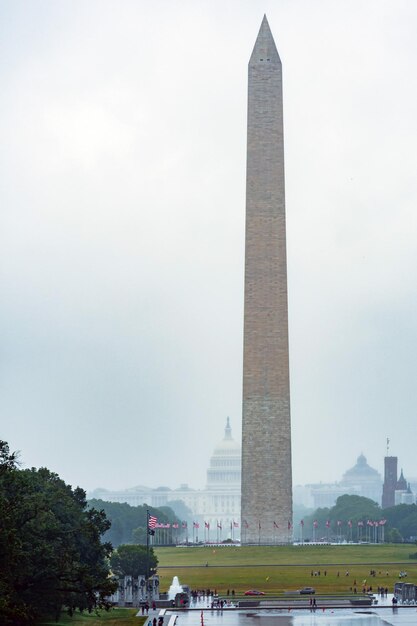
(122, 195)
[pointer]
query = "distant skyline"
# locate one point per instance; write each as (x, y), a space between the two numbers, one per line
(323, 480)
(122, 194)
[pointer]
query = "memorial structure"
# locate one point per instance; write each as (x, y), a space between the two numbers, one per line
(266, 514)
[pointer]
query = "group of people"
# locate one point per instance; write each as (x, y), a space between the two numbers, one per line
(383, 591)
(144, 607)
(203, 594)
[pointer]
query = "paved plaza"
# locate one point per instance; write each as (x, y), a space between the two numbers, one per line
(380, 615)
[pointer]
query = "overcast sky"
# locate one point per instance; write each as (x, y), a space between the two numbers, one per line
(122, 195)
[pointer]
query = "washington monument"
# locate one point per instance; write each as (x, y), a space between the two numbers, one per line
(266, 427)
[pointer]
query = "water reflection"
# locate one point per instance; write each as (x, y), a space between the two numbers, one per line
(279, 618)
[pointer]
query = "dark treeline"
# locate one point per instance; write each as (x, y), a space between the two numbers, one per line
(354, 517)
(402, 518)
(52, 557)
(128, 523)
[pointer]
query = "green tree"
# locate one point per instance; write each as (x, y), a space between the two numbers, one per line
(51, 554)
(347, 507)
(394, 536)
(181, 510)
(125, 519)
(130, 560)
(404, 518)
(139, 535)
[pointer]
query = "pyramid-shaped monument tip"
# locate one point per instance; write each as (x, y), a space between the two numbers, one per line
(265, 49)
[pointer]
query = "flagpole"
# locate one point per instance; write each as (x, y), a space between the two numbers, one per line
(147, 551)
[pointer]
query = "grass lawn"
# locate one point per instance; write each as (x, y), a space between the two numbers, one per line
(285, 568)
(115, 617)
(269, 569)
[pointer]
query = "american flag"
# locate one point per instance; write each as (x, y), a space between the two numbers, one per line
(219, 525)
(152, 521)
(276, 525)
(289, 525)
(315, 523)
(196, 525)
(235, 524)
(328, 524)
(207, 524)
(184, 525)
(175, 525)
(339, 523)
(302, 522)
(350, 523)
(360, 523)
(245, 524)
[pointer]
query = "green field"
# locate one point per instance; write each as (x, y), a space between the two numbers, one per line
(278, 569)
(273, 570)
(114, 617)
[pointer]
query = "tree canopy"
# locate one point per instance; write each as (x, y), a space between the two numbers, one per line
(400, 520)
(130, 560)
(403, 518)
(129, 523)
(51, 553)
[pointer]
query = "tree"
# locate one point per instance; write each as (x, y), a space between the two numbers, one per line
(404, 518)
(181, 510)
(130, 560)
(125, 519)
(394, 536)
(140, 535)
(51, 554)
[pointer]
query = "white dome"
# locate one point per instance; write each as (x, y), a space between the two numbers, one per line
(225, 464)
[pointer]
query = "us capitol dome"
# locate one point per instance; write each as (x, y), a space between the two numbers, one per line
(225, 464)
(216, 508)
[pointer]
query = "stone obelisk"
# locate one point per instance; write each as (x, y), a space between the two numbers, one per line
(266, 429)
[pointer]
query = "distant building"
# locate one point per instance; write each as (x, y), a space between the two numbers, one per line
(403, 492)
(390, 481)
(396, 490)
(302, 496)
(364, 480)
(218, 505)
(359, 480)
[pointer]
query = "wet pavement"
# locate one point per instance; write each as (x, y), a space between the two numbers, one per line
(379, 615)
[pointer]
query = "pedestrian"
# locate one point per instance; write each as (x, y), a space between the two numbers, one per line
(154, 621)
